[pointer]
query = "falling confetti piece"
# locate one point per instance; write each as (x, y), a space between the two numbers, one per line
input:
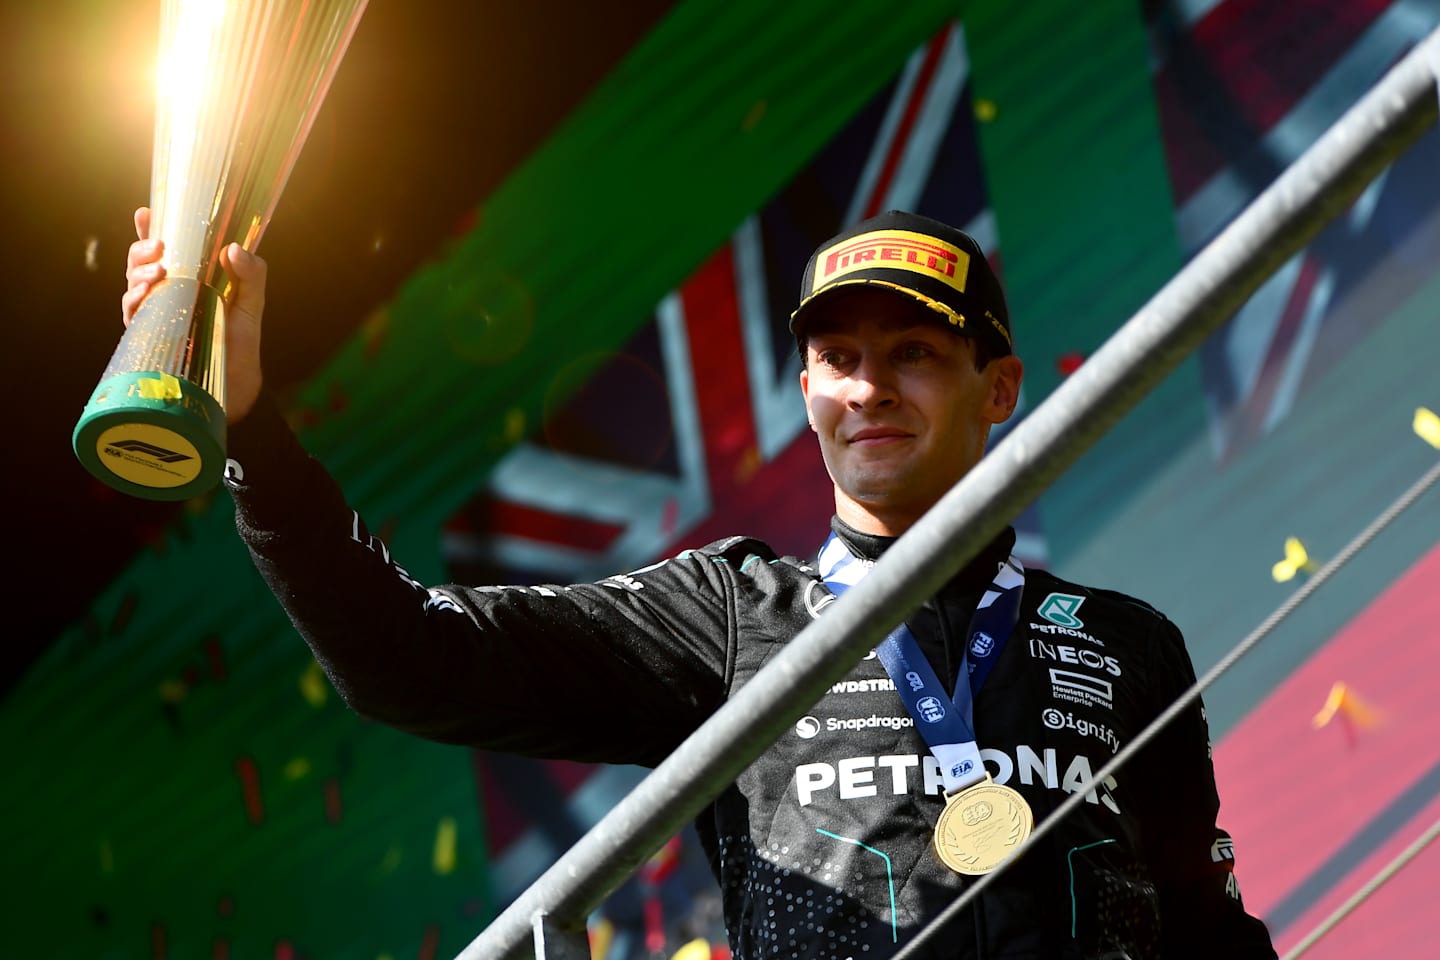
(753, 118)
(173, 691)
(443, 859)
(215, 658)
(1069, 362)
(250, 789)
(602, 934)
(297, 769)
(697, 949)
(1296, 560)
(748, 465)
(429, 943)
(1427, 426)
(334, 809)
(514, 425)
(92, 253)
(312, 685)
(1343, 702)
(985, 110)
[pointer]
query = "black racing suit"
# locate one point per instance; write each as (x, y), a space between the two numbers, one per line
(822, 847)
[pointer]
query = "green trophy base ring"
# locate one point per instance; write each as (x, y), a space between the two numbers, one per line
(152, 435)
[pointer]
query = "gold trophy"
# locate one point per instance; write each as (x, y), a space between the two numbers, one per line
(238, 85)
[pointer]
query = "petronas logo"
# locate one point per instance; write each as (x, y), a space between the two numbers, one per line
(1059, 608)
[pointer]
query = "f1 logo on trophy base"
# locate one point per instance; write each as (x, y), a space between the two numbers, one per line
(238, 85)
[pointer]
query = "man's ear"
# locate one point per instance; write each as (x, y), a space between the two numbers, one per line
(1005, 373)
(805, 392)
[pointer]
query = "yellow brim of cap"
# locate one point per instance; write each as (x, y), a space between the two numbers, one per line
(954, 318)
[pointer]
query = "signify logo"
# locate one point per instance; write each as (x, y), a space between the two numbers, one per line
(1058, 720)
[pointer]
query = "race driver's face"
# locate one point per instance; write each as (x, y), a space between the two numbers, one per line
(899, 408)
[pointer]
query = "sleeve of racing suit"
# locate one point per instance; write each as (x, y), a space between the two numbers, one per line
(617, 671)
(1191, 858)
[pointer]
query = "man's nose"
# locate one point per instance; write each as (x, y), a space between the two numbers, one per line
(872, 386)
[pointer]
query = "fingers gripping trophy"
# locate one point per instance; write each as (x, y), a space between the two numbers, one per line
(238, 86)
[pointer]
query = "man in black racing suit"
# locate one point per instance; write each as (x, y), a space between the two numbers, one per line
(823, 846)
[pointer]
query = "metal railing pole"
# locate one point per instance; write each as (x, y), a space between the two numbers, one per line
(1205, 293)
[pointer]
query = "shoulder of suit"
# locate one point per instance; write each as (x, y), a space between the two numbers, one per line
(1112, 600)
(742, 553)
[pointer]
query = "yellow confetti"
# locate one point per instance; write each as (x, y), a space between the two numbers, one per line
(1342, 700)
(297, 769)
(1427, 426)
(514, 425)
(313, 686)
(697, 949)
(986, 110)
(173, 691)
(602, 934)
(753, 118)
(443, 859)
(164, 387)
(1296, 560)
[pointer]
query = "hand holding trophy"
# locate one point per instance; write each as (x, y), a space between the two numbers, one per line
(245, 275)
(239, 83)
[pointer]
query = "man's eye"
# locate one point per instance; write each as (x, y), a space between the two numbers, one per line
(915, 351)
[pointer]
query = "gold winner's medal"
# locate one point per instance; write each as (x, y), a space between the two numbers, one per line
(981, 826)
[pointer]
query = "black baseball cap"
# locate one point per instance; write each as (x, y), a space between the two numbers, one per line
(917, 257)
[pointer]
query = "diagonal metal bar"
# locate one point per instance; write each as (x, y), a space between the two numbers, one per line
(1202, 296)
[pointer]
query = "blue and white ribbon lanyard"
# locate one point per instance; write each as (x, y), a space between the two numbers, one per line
(947, 724)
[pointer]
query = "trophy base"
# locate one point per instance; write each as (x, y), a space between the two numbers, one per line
(152, 435)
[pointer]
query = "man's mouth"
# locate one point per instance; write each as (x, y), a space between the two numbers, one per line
(877, 436)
